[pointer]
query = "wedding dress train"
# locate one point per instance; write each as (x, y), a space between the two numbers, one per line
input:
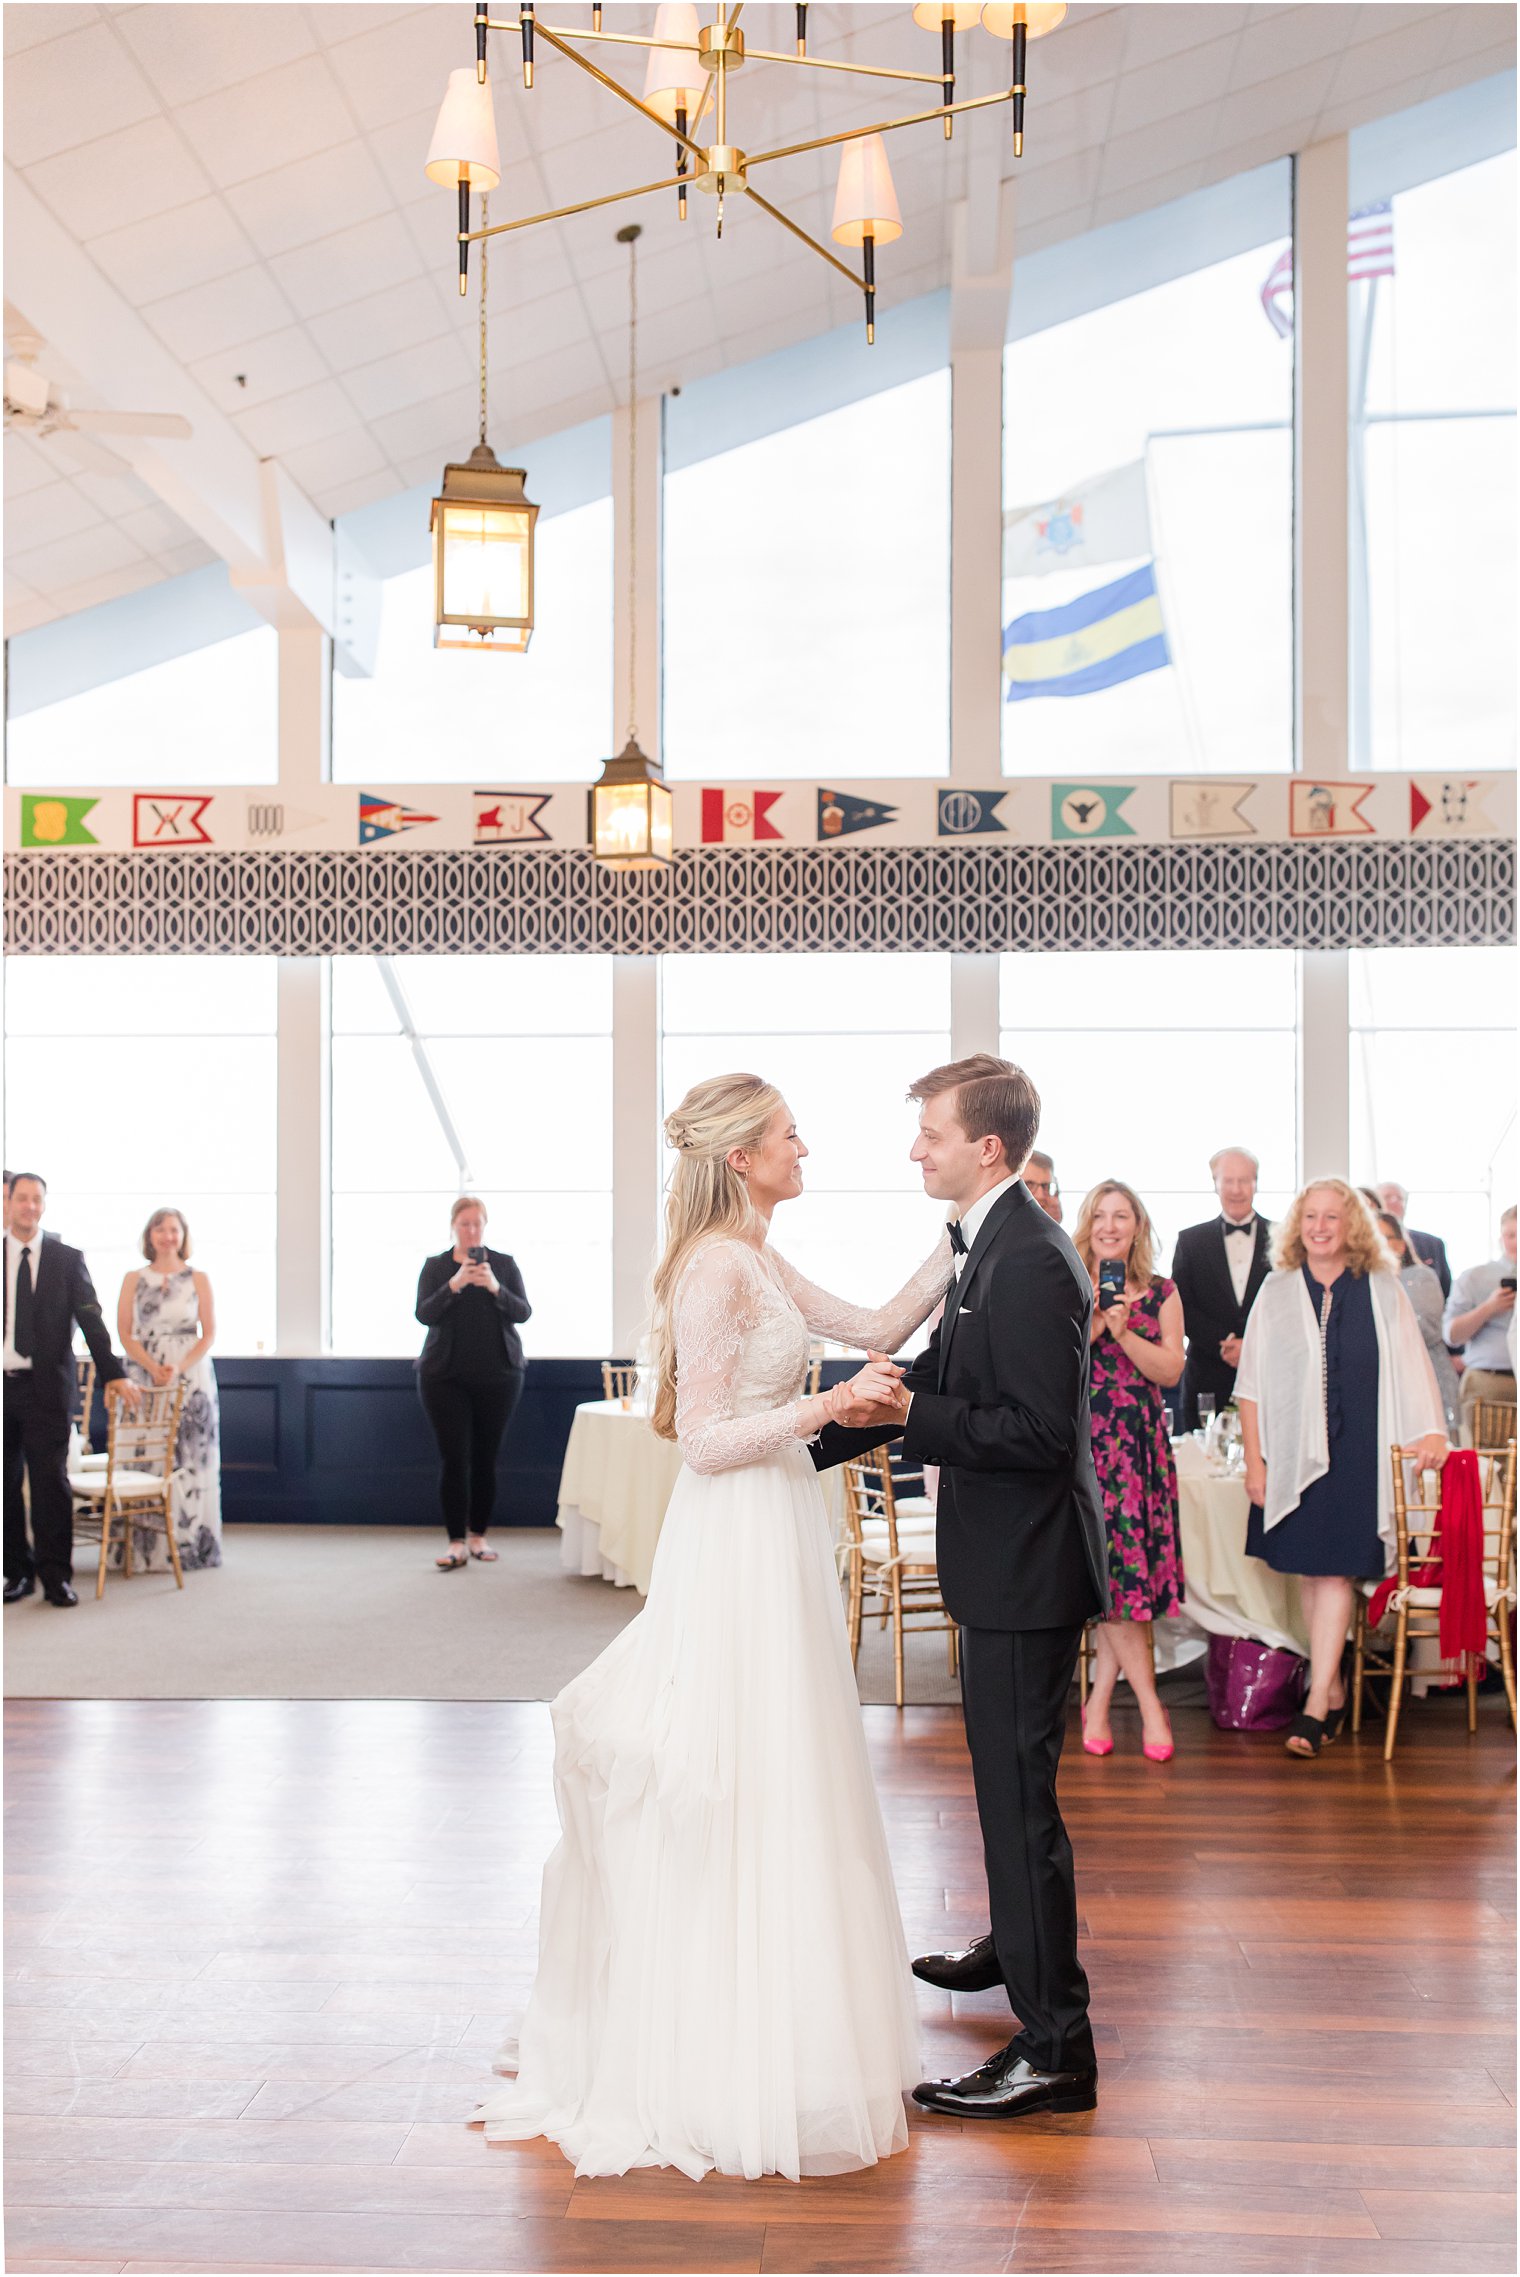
(722, 1978)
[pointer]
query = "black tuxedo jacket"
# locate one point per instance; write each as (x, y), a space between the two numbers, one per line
(1210, 1311)
(436, 1303)
(63, 1296)
(1431, 1251)
(1000, 1403)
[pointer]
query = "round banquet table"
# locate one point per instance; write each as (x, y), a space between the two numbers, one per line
(1227, 1593)
(613, 1489)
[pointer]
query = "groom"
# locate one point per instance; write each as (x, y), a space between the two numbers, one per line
(999, 1401)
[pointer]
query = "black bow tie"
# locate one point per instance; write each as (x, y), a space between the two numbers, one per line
(957, 1238)
(1248, 1227)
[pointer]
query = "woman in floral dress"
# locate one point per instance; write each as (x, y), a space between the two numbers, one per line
(166, 1319)
(1136, 1351)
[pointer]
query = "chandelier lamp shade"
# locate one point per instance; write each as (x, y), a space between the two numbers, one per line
(688, 69)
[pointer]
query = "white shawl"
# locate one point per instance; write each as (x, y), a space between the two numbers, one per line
(1280, 1370)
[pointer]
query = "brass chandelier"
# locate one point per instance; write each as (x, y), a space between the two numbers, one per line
(687, 74)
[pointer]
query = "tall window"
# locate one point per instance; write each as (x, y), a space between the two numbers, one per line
(1147, 1064)
(211, 716)
(1432, 492)
(842, 1037)
(514, 1054)
(134, 1084)
(807, 597)
(1433, 1087)
(444, 716)
(1148, 496)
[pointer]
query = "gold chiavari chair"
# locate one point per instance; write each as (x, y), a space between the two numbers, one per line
(619, 1379)
(135, 1491)
(84, 1401)
(890, 1560)
(1416, 1606)
(1493, 1425)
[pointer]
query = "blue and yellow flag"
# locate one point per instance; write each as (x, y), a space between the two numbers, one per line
(1094, 642)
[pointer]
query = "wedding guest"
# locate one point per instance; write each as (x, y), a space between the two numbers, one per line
(166, 1319)
(471, 1300)
(5, 1223)
(1428, 1248)
(1423, 1290)
(1478, 1316)
(1219, 1267)
(1040, 1178)
(48, 1292)
(1333, 1373)
(1136, 1350)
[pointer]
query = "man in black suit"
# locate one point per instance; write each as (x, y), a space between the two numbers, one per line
(47, 1291)
(1219, 1267)
(999, 1401)
(1429, 1248)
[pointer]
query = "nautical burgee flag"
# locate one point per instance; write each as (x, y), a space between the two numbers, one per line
(1094, 642)
(1106, 518)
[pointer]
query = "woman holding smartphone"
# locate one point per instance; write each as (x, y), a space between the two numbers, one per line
(1136, 1353)
(472, 1302)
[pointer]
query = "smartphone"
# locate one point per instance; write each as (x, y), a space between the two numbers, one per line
(1506, 1280)
(1110, 1282)
(477, 1255)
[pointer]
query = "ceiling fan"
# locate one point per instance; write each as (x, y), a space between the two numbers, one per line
(34, 407)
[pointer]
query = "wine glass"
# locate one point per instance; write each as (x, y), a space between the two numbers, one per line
(1206, 1405)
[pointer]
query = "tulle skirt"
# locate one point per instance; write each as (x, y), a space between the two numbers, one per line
(722, 1978)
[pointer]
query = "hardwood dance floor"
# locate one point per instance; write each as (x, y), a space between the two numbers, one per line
(260, 1955)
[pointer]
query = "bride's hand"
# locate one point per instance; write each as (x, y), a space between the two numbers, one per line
(876, 1386)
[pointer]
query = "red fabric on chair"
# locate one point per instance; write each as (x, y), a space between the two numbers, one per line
(1454, 1566)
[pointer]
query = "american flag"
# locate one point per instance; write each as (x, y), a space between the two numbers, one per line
(1369, 253)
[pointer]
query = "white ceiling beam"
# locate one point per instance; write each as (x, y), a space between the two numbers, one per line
(275, 543)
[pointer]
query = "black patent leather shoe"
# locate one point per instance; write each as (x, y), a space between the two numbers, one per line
(1008, 2087)
(16, 1590)
(60, 1593)
(973, 1970)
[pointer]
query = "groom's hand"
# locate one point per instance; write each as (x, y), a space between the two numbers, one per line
(870, 1414)
(880, 1398)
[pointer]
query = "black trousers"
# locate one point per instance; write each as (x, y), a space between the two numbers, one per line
(1014, 1685)
(468, 1419)
(37, 1443)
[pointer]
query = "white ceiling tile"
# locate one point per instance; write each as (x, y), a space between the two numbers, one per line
(1295, 36)
(255, 371)
(1235, 157)
(1469, 68)
(172, 252)
(269, 121)
(1059, 129)
(1132, 158)
(1163, 90)
(336, 20)
(363, 331)
(71, 90)
(191, 553)
(1160, 29)
(1074, 56)
(442, 423)
(1252, 114)
(25, 467)
(388, 73)
(399, 151)
(189, 50)
(1062, 188)
(1474, 31)
(416, 374)
(108, 585)
(340, 457)
(24, 612)
(64, 561)
(291, 420)
(113, 494)
(1373, 65)
(348, 497)
(154, 528)
(1140, 197)
(121, 178)
(349, 265)
(306, 201)
(218, 315)
(56, 510)
(27, 26)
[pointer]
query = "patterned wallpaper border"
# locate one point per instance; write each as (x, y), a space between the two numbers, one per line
(973, 898)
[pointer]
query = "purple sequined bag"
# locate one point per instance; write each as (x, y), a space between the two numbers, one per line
(1253, 1687)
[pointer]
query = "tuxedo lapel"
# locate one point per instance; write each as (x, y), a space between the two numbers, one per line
(991, 1226)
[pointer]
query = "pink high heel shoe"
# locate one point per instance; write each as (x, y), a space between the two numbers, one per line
(1095, 1746)
(1159, 1754)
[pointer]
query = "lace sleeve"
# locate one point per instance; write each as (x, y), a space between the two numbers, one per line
(718, 1307)
(890, 1324)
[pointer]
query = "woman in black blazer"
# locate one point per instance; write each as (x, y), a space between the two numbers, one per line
(471, 1301)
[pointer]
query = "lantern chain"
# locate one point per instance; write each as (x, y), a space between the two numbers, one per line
(633, 483)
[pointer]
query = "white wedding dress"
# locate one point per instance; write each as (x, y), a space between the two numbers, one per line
(722, 1978)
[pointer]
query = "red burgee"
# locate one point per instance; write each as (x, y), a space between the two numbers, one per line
(1454, 1566)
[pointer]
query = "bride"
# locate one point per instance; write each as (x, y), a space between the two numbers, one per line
(722, 1979)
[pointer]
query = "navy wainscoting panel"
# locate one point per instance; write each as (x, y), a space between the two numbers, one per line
(345, 1442)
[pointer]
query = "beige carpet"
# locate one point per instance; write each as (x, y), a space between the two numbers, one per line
(353, 1613)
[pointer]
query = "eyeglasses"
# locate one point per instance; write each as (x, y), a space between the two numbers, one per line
(1045, 1186)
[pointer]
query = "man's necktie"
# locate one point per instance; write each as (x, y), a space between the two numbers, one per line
(957, 1238)
(21, 1329)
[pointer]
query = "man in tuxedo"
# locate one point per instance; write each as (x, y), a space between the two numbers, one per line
(999, 1401)
(1218, 1267)
(48, 1292)
(1040, 1177)
(1428, 1247)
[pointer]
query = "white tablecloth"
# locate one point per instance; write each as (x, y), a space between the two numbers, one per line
(1228, 1593)
(614, 1488)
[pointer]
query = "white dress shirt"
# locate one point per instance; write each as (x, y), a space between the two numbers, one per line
(972, 1220)
(1238, 1254)
(14, 1252)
